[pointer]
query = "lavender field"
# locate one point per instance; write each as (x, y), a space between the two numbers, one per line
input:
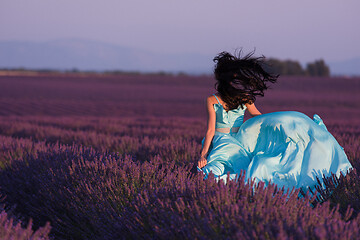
(91, 156)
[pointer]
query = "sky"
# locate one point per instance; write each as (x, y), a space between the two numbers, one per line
(303, 30)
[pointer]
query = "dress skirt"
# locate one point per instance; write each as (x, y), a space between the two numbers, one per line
(285, 148)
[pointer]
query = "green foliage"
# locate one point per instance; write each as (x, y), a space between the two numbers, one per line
(287, 67)
(294, 68)
(318, 68)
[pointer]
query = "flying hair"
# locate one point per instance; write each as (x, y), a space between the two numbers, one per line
(241, 79)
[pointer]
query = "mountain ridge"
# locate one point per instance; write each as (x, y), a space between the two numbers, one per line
(96, 56)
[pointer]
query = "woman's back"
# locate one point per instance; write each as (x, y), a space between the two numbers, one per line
(228, 121)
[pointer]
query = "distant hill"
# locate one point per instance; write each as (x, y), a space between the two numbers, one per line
(97, 56)
(85, 55)
(349, 67)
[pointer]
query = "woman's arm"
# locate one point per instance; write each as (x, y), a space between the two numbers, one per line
(252, 109)
(209, 133)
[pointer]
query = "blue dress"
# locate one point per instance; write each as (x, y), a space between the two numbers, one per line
(286, 148)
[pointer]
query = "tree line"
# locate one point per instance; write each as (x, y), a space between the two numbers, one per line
(294, 68)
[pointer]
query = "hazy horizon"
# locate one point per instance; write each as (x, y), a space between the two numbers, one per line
(304, 31)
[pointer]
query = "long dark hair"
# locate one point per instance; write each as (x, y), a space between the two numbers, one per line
(240, 79)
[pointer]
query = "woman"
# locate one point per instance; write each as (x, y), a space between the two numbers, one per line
(286, 148)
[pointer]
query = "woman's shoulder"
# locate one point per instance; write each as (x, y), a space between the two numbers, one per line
(211, 99)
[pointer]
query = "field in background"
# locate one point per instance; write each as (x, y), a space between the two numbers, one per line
(108, 157)
(164, 96)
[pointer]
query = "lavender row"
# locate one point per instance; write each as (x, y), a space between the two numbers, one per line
(12, 229)
(176, 139)
(87, 194)
(42, 158)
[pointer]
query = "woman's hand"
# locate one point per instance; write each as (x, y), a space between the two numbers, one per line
(202, 162)
(252, 109)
